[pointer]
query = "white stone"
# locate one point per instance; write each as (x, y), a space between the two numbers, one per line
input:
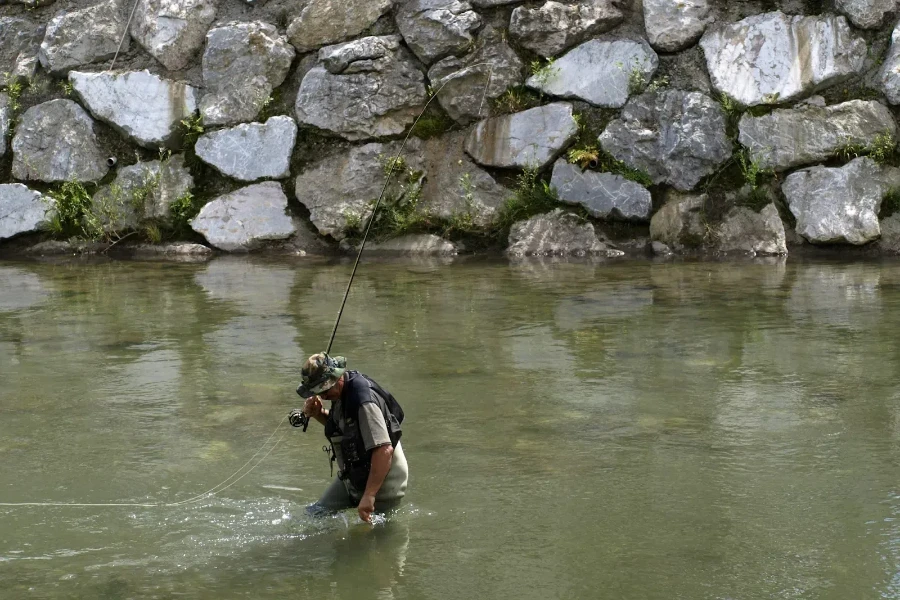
(172, 31)
(5, 117)
(774, 58)
(251, 151)
(417, 245)
(673, 25)
(21, 210)
(598, 71)
(244, 219)
(840, 205)
(524, 140)
(141, 106)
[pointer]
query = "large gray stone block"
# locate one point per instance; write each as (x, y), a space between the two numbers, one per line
(251, 151)
(557, 233)
(367, 88)
(434, 29)
(810, 134)
(531, 139)
(246, 218)
(889, 75)
(840, 205)
(141, 106)
(673, 25)
(749, 232)
(22, 210)
(20, 41)
(773, 58)
(323, 22)
(143, 192)
(604, 195)
(242, 64)
(677, 137)
(866, 14)
(55, 141)
(172, 31)
(342, 189)
(465, 86)
(555, 26)
(81, 37)
(598, 71)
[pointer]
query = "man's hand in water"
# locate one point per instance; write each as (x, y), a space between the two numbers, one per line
(366, 508)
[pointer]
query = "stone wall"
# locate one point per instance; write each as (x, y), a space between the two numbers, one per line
(697, 125)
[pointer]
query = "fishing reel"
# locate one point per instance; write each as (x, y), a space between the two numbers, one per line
(298, 419)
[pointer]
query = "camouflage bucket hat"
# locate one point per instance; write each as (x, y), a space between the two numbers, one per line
(320, 373)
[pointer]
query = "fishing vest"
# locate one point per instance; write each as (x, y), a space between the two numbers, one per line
(358, 460)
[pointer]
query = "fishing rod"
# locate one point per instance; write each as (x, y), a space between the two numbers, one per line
(298, 418)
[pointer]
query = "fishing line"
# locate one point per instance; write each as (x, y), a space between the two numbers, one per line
(210, 493)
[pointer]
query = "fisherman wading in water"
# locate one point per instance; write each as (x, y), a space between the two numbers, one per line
(363, 431)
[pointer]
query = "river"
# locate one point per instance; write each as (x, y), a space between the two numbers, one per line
(627, 430)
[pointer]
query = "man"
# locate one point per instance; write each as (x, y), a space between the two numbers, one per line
(363, 430)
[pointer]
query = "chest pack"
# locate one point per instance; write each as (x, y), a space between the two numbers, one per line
(358, 460)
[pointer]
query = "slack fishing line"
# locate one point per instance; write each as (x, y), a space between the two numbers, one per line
(227, 483)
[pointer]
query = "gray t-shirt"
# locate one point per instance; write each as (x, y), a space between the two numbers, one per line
(374, 433)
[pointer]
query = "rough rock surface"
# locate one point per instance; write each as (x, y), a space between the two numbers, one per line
(244, 219)
(556, 233)
(528, 139)
(5, 116)
(839, 205)
(367, 88)
(889, 76)
(80, 37)
(419, 245)
(604, 195)
(678, 224)
(493, 3)
(323, 22)
(554, 26)
(251, 151)
(673, 25)
(749, 232)
(434, 29)
(143, 191)
(468, 84)
(20, 41)
(806, 135)
(55, 141)
(339, 190)
(141, 106)
(598, 71)
(181, 249)
(457, 187)
(676, 137)
(21, 210)
(890, 235)
(866, 14)
(242, 64)
(172, 31)
(773, 57)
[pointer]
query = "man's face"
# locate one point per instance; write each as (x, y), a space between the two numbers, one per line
(334, 392)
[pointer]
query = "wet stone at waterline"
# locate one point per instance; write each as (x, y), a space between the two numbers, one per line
(246, 218)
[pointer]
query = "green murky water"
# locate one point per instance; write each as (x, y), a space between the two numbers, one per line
(575, 430)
